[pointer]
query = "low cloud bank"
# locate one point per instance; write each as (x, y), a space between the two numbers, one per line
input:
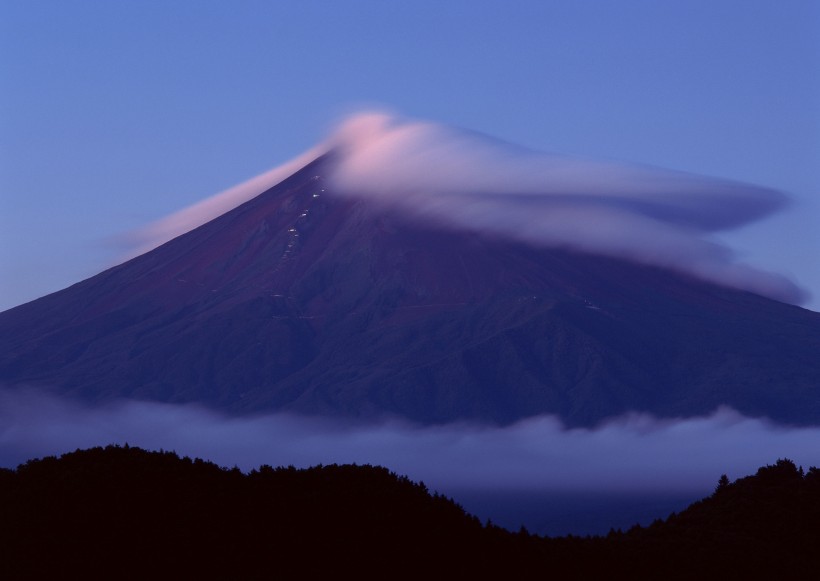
(631, 454)
(466, 180)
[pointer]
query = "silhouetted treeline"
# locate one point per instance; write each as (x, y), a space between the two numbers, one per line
(122, 512)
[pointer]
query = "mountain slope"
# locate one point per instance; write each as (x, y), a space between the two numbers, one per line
(305, 301)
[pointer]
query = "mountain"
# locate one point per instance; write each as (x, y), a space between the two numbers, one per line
(128, 513)
(306, 301)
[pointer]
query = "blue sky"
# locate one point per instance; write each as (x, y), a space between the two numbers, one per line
(114, 114)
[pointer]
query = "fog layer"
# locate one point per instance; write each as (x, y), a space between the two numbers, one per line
(629, 454)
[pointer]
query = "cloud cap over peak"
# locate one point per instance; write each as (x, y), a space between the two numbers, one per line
(467, 180)
(640, 213)
(385, 155)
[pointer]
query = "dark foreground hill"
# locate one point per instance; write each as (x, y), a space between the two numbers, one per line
(305, 301)
(127, 513)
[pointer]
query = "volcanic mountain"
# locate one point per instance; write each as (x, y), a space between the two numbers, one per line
(303, 301)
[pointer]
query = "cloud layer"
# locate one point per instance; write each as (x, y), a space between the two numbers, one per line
(631, 454)
(462, 179)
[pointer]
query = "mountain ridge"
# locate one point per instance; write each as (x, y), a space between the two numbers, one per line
(138, 512)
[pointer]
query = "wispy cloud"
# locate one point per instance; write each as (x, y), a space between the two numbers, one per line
(186, 219)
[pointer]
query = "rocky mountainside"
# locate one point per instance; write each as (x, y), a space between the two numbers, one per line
(305, 301)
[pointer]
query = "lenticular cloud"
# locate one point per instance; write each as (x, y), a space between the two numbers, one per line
(396, 160)
(649, 215)
(465, 180)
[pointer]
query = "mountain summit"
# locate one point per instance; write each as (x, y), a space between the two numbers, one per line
(306, 301)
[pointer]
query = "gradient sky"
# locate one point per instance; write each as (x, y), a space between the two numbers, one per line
(114, 114)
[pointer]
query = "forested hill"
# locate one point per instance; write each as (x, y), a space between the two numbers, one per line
(123, 512)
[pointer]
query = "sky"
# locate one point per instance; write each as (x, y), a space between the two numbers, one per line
(116, 114)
